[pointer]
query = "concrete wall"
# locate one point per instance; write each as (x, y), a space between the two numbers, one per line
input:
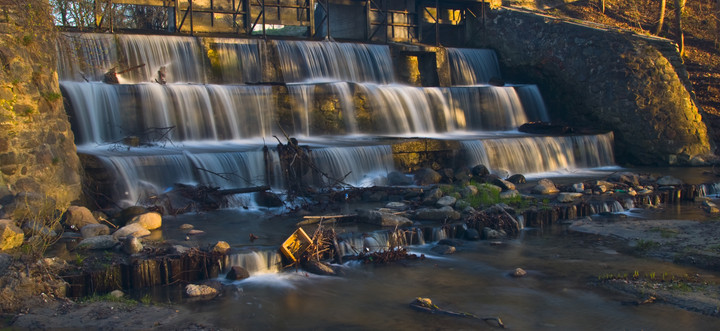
(603, 78)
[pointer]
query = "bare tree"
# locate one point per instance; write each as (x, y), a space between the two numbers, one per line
(661, 18)
(679, 36)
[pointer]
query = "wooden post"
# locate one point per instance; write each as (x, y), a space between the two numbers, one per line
(368, 22)
(311, 17)
(190, 8)
(263, 18)
(437, 23)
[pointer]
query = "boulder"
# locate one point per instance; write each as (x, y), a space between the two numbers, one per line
(193, 290)
(318, 268)
(440, 214)
(11, 235)
(470, 190)
(472, 234)
(187, 227)
(132, 245)
(392, 220)
(37, 227)
(221, 247)
(710, 207)
(463, 174)
(99, 242)
(149, 221)
(628, 178)
(396, 178)
(94, 230)
(76, 217)
(669, 181)
(480, 171)
(517, 179)
(446, 201)
(427, 176)
(432, 196)
(519, 272)
(462, 205)
(237, 273)
(568, 196)
(490, 234)
(125, 215)
(503, 184)
(134, 229)
(444, 249)
(545, 186)
(579, 187)
(398, 206)
(509, 194)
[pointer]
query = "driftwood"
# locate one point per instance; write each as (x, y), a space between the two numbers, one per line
(243, 190)
(309, 220)
(426, 305)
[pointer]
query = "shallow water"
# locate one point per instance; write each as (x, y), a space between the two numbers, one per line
(559, 292)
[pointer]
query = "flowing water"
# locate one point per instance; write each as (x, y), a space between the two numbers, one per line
(220, 125)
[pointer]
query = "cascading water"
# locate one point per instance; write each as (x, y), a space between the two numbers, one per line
(337, 97)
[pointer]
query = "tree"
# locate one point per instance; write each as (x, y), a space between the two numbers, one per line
(661, 18)
(717, 24)
(679, 37)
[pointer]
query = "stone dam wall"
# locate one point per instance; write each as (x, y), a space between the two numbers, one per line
(604, 78)
(39, 165)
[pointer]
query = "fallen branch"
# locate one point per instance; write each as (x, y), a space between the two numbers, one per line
(426, 305)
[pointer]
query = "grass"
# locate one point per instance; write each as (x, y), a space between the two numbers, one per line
(108, 298)
(645, 245)
(682, 283)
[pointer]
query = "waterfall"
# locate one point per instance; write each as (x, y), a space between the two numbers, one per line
(541, 154)
(260, 262)
(472, 66)
(403, 109)
(195, 112)
(532, 102)
(486, 108)
(361, 164)
(158, 169)
(237, 60)
(316, 60)
(85, 56)
(205, 126)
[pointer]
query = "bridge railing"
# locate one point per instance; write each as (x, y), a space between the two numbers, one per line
(370, 20)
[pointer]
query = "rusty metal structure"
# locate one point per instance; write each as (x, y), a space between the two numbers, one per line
(362, 20)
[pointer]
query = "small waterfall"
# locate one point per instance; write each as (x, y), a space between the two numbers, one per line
(157, 170)
(607, 207)
(256, 263)
(541, 154)
(361, 164)
(710, 190)
(195, 112)
(532, 102)
(96, 111)
(471, 66)
(85, 56)
(182, 58)
(629, 204)
(316, 60)
(486, 108)
(404, 109)
(237, 60)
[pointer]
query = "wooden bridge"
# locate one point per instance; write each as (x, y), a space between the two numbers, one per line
(366, 20)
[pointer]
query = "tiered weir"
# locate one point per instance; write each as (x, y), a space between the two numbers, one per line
(225, 99)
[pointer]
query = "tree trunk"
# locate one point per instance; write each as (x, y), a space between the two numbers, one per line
(679, 37)
(602, 6)
(661, 19)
